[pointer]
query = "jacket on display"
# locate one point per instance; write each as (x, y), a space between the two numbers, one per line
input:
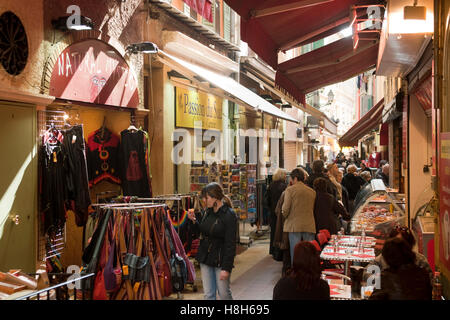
(78, 183)
(134, 169)
(53, 168)
(102, 157)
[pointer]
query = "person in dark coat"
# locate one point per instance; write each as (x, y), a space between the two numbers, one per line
(217, 248)
(273, 194)
(303, 281)
(327, 209)
(353, 183)
(384, 175)
(318, 172)
(403, 280)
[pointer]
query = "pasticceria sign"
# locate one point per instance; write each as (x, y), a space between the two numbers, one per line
(193, 105)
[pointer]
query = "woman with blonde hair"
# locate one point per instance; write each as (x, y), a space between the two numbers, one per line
(273, 194)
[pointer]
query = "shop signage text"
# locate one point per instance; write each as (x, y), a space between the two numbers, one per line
(92, 71)
(193, 105)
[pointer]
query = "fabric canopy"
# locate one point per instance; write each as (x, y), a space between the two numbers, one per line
(268, 26)
(330, 64)
(231, 87)
(369, 121)
(277, 25)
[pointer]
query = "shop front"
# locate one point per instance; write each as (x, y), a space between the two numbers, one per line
(96, 101)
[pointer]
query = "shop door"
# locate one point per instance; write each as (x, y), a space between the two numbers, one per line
(18, 187)
(290, 155)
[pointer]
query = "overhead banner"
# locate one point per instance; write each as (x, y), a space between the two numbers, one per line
(202, 7)
(92, 71)
(194, 106)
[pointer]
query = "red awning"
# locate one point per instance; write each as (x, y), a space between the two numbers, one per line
(278, 25)
(330, 64)
(274, 25)
(369, 121)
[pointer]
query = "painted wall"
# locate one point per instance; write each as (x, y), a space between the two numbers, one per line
(419, 152)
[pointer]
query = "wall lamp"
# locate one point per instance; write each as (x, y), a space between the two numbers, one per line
(415, 12)
(143, 47)
(76, 22)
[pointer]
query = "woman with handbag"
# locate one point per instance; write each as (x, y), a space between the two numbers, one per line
(217, 243)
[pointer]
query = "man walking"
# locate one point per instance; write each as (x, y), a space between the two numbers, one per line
(298, 211)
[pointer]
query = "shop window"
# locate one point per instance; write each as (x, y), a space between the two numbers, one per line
(227, 22)
(13, 44)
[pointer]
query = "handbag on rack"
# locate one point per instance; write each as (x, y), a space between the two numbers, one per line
(91, 253)
(112, 272)
(161, 262)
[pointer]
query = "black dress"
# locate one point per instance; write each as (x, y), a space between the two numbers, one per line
(287, 289)
(134, 173)
(53, 183)
(77, 175)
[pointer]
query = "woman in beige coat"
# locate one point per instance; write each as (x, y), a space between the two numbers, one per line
(298, 211)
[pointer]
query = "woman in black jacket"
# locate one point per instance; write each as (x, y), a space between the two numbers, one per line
(303, 282)
(327, 209)
(403, 280)
(217, 243)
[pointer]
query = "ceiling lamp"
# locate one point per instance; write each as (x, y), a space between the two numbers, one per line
(143, 47)
(76, 23)
(267, 97)
(414, 12)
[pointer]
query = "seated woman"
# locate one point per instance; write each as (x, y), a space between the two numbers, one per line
(403, 280)
(327, 209)
(405, 234)
(303, 282)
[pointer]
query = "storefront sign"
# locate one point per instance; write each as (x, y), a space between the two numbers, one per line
(93, 71)
(444, 212)
(194, 106)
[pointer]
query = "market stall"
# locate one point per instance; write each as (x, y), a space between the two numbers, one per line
(377, 210)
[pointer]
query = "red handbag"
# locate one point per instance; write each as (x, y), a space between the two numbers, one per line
(99, 287)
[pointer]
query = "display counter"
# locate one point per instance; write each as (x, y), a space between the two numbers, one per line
(377, 210)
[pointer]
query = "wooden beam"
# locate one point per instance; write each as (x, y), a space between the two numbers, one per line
(294, 42)
(286, 7)
(330, 63)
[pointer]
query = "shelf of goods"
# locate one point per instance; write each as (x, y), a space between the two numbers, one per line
(237, 180)
(377, 210)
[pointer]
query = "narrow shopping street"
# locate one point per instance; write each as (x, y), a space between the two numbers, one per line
(171, 150)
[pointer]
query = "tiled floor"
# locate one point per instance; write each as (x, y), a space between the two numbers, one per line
(253, 278)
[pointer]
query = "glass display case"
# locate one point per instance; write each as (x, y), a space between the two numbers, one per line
(423, 222)
(377, 210)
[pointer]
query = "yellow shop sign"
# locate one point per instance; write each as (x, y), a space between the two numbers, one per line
(193, 105)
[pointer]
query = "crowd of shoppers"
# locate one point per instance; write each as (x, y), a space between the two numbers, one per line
(323, 198)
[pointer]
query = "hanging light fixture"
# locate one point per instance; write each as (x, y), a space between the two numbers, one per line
(76, 23)
(415, 12)
(143, 47)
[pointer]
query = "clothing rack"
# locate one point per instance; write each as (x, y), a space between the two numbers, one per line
(121, 208)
